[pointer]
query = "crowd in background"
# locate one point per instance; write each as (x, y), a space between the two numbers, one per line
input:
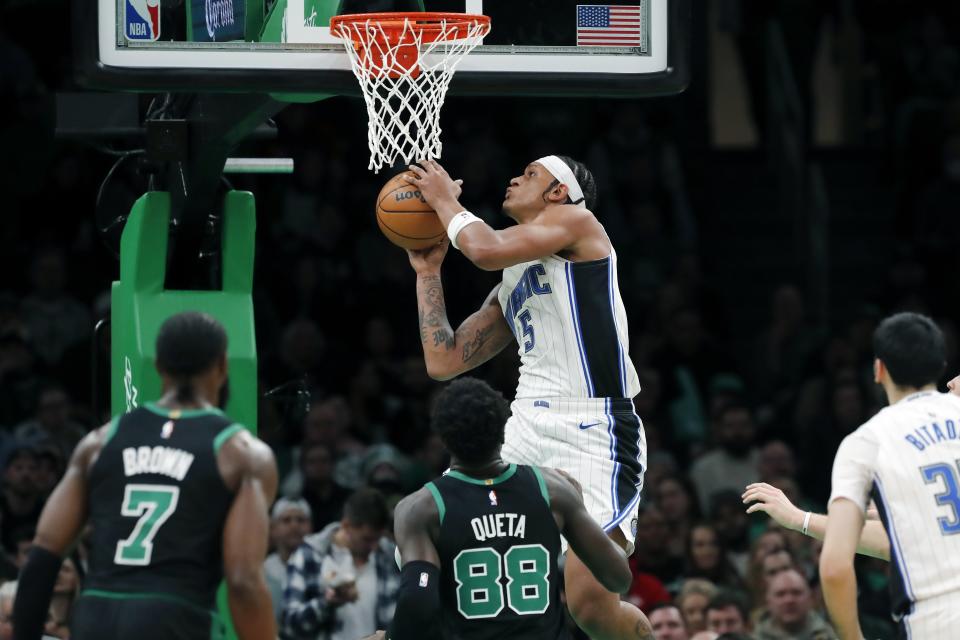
(723, 404)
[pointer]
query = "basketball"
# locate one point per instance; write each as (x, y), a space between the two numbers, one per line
(405, 217)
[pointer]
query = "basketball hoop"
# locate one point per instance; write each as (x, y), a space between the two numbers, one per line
(404, 62)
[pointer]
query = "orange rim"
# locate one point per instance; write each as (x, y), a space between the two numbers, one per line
(432, 26)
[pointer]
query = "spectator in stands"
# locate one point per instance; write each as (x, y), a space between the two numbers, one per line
(23, 539)
(289, 523)
(55, 320)
(766, 543)
(327, 423)
(383, 469)
(325, 497)
(727, 612)
(667, 623)
(686, 364)
(330, 422)
(692, 602)
(707, 558)
(678, 503)
(652, 554)
(732, 463)
(51, 423)
(65, 592)
(646, 590)
(790, 614)
(343, 581)
(49, 468)
(775, 563)
(18, 378)
(784, 347)
(776, 460)
(733, 526)
(20, 502)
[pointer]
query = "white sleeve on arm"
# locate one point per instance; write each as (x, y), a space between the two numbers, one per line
(854, 468)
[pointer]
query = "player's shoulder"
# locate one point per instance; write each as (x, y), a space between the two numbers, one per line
(571, 214)
(245, 449)
(419, 508)
(89, 447)
(932, 403)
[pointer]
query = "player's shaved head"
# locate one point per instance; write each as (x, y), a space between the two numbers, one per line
(912, 348)
(470, 417)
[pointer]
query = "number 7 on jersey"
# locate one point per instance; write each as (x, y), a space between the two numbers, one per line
(153, 504)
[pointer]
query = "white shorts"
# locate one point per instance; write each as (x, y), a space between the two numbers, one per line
(598, 441)
(933, 619)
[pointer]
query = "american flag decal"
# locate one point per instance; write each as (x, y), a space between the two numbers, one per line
(604, 25)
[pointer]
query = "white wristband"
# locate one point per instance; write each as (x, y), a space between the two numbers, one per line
(457, 223)
(806, 522)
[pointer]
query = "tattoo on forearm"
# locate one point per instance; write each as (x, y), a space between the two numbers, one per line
(445, 338)
(432, 313)
(472, 347)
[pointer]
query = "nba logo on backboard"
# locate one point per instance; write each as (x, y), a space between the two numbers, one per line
(142, 20)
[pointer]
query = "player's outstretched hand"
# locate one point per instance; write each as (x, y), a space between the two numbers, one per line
(774, 503)
(435, 184)
(429, 259)
(954, 386)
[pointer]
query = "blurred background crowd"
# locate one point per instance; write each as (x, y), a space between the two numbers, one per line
(750, 319)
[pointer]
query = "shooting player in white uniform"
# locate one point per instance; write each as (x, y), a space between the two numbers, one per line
(906, 458)
(559, 300)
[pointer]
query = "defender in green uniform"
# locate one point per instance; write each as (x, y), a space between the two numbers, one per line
(177, 496)
(479, 545)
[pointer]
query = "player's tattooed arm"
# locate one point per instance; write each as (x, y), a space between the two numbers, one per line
(449, 353)
(472, 347)
(435, 330)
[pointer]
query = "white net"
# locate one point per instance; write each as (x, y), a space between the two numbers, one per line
(404, 96)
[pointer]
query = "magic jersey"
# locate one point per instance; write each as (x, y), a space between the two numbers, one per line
(906, 458)
(571, 329)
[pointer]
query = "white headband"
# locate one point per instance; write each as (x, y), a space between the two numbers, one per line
(562, 172)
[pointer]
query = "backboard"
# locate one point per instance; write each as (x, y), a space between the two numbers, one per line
(624, 48)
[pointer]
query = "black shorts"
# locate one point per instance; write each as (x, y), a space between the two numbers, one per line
(126, 616)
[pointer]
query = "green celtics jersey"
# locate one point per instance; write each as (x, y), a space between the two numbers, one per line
(498, 549)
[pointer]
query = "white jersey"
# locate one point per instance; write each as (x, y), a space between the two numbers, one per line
(571, 329)
(906, 458)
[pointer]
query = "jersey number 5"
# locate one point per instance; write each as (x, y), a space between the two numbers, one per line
(152, 504)
(527, 331)
(950, 497)
(478, 573)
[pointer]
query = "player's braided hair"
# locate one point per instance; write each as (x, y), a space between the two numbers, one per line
(911, 347)
(585, 178)
(470, 417)
(188, 344)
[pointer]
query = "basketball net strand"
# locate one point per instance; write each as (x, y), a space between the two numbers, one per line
(404, 111)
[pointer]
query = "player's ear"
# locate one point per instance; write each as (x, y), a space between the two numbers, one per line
(878, 370)
(559, 193)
